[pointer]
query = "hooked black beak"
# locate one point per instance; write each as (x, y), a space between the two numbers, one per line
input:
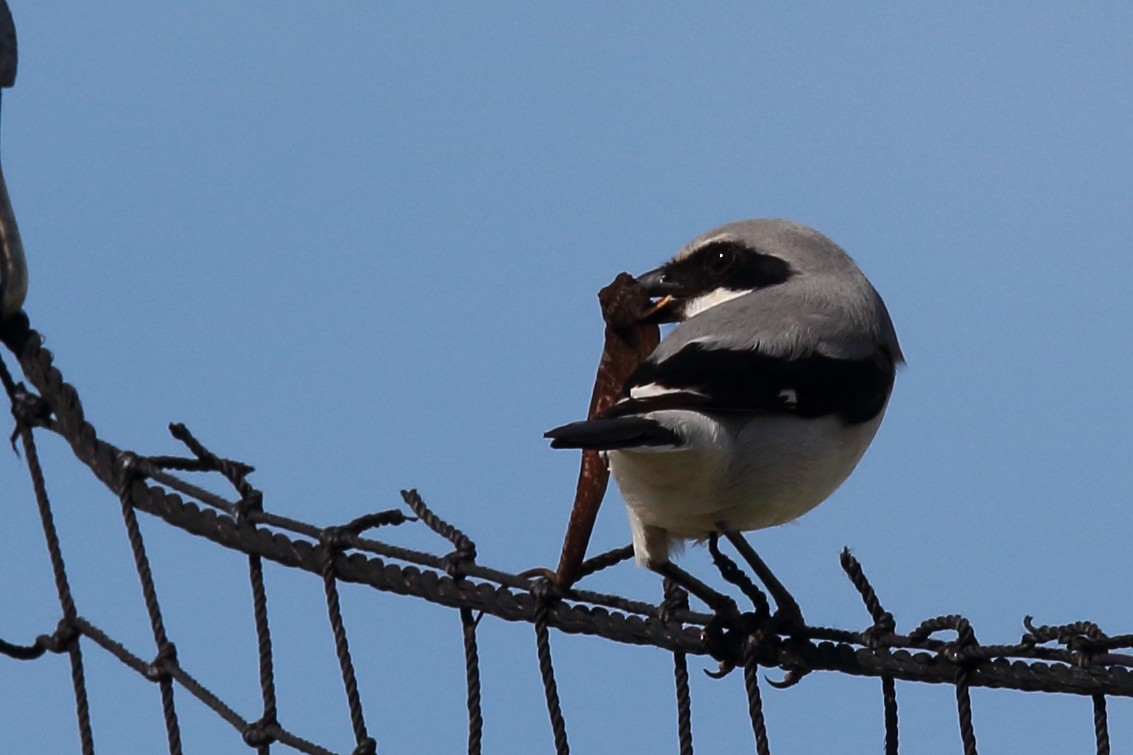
(668, 309)
(655, 284)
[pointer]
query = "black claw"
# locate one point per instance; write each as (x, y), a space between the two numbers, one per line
(725, 668)
(793, 677)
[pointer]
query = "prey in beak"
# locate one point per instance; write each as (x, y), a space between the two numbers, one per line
(660, 312)
(667, 307)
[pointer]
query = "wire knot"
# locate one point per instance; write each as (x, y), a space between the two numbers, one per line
(130, 468)
(161, 669)
(253, 503)
(335, 538)
(367, 746)
(877, 634)
(29, 410)
(676, 600)
(546, 592)
(61, 640)
(959, 649)
(456, 562)
(261, 733)
(1084, 639)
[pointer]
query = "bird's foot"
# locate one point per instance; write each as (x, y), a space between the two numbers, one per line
(787, 620)
(788, 617)
(724, 638)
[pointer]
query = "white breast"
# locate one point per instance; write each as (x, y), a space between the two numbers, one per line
(736, 474)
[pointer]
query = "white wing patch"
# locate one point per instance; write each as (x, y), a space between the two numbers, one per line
(650, 390)
(790, 396)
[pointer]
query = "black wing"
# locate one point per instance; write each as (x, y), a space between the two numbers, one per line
(749, 382)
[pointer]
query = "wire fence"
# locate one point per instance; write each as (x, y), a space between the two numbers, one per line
(1076, 659)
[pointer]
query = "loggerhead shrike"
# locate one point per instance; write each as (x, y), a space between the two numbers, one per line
(761, 401)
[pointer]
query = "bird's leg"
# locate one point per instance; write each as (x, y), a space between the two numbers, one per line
(739, 578)
(723, 634)
(721, 604)
(787, 612)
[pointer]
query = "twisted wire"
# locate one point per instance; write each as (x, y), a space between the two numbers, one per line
(194, 687)
(166, 652)
(547, 673)
(270, 713)
(964, 711)
(261, 733)
(1101, 725)
(472, 681)
(55, 554)
(854, 571)
(892, 730)
(342, 649)
(755, 702)
(605, 560)
(463, 544)
(876, 636)
(684, 703)
(676, 600)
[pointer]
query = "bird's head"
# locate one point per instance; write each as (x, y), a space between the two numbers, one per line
(737, 259)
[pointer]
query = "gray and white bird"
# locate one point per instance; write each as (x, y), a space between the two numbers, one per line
(761, 401)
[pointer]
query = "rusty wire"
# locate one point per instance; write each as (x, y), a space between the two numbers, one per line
(1074, 658)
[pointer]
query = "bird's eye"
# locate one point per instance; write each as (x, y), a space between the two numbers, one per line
(718, 260)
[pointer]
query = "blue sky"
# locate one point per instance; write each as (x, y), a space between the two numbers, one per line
(357, 246)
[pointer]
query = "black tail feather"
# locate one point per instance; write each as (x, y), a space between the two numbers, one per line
(613, 434)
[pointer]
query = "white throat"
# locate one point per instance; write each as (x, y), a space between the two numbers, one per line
(709, 300)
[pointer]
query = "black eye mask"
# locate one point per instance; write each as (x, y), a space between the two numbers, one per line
(722, 264)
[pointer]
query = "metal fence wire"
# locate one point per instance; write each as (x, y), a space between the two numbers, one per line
(1077, 659)
(1074, 659)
